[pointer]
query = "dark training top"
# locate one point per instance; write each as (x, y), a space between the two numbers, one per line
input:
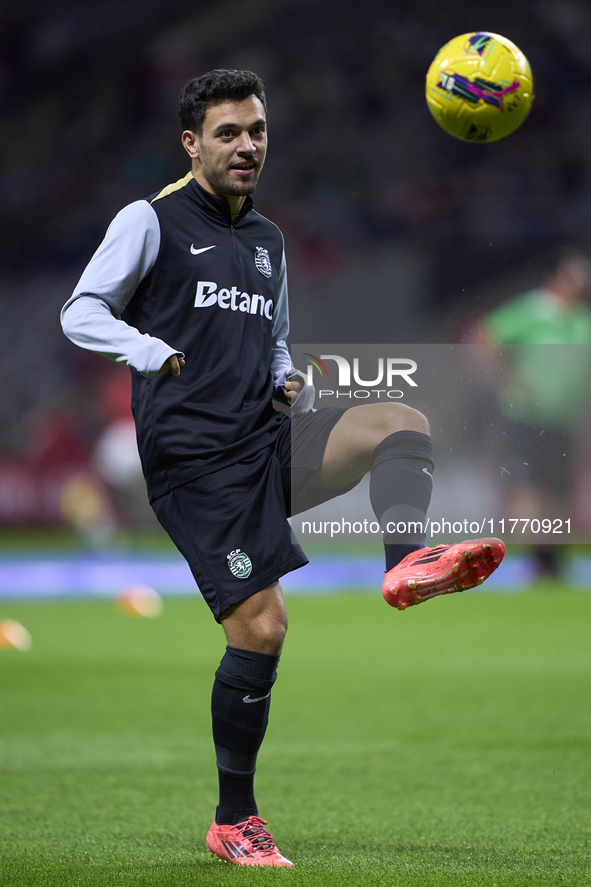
(221, 411)
(186, 280)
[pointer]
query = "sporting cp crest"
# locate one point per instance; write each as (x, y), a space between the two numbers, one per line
(240, 564)
(263, 261)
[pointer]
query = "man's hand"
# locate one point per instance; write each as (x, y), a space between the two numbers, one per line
(292, 387)
(173, 364)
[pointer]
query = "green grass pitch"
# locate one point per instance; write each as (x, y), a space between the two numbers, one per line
(447, 745)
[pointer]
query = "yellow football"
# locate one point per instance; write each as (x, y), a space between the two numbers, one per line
(479, 87)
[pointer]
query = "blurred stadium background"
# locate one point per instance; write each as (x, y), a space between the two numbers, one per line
(394, 230)
(467, 768)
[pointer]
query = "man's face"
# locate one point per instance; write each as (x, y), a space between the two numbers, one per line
(231, 149)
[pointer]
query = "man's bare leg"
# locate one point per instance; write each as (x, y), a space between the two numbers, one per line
(392, 440)
(258, 623)
(355, 437)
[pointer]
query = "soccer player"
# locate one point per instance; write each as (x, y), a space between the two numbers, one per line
(189, 290)
(546, 391)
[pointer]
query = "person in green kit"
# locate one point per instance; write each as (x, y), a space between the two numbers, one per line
(556, 313)
(545, 390)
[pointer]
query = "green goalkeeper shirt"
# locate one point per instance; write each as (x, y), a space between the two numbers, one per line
(548, 383)
(539, 317)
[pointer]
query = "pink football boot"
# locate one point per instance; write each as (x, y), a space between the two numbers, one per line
(247, 843)
(429, 572)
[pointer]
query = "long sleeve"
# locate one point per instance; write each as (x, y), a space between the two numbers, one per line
(89, 323)
(90, 317)
(280, 357)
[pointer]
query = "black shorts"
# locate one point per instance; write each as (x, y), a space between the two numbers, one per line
(231, 526)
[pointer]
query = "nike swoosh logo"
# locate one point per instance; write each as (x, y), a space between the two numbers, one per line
(258, 699)
(428, 472)
(202, 250)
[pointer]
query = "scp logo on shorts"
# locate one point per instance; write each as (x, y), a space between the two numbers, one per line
(239, 563)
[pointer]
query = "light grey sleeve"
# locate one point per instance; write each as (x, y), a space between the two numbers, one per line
(89, 323)
(280, 357)
(280, 362)
(90, 316)
(281, 311)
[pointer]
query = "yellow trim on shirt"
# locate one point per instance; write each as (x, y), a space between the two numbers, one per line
(176, 186)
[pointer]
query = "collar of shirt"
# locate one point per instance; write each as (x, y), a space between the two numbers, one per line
(217, 206)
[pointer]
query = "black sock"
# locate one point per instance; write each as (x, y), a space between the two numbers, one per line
(240, 711)
(401, 483)
(237, 801)
(397, 552)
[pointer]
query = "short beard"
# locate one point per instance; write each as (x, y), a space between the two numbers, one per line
(224, 187)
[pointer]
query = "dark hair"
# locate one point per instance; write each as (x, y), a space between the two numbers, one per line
(211, 89)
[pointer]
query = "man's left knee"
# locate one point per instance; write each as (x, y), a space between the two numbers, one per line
(394, 417)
